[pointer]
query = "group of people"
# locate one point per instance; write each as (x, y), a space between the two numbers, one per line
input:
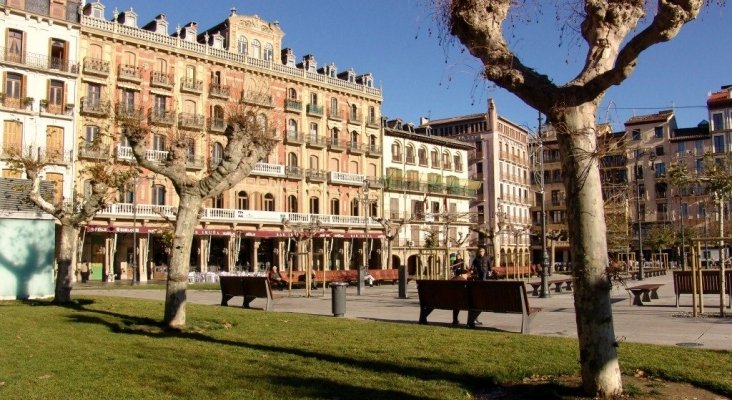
(481, 268)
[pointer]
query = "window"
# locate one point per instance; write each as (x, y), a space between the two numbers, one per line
(218, 201)
(262, 122)
(313, 131)
(719, 144)
(314, 205)
(354, 113)
(334, 136)
(660, 169)
(334, 107)
(636, 135)
(93, 94)
(158, 142)
(127, 195)
(13, 88)
(354, 139)
(159, 105)
(372, 115)
(291, 128)
(292, 160)
(681, 148)
(684, 210)
(16, 49)
(422, 156)
(354, 207)
(396, 152)
(717, 121)
(256, 49)
(58, 54)
(268, 52)
(658, 132)
(161, 66)
(335, 207)
(12, 136)
(158, 195)
(128, 100)
(435, 158)
(292, 203)
(54, 142)
(269, 202)
(217, 153)
(241, 45)
(410, 154)
(242, 200)
(638, 172)
(458, 163)
(659, 150)
(91, 134)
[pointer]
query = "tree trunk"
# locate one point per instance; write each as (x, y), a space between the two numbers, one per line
(66, 254)
(180, 253)
(577, 138)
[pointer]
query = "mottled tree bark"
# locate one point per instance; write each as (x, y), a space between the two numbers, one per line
(66, 254)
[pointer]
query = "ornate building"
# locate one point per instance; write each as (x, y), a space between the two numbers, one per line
(328, 123)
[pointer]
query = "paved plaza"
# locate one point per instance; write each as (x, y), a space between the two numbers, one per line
(658, 322)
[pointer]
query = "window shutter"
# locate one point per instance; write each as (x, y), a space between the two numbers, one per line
(48, 92)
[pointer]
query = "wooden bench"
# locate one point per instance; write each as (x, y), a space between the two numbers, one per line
(709, 283)
(475, 297)
(249, 287)
(558, 283)
(639, 294)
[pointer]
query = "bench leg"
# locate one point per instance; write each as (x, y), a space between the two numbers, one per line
(646, 296)
(636, 297)
(526, 323)
(424, 312)
(536, 290)
(248, 300)
(558, 287)
(654, 294)
(472, 316)
(225, 299)
(455, 314)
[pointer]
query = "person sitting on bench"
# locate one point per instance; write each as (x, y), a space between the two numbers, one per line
(275, 279)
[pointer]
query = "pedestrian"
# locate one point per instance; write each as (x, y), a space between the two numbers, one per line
(458, 268)
(482, 266)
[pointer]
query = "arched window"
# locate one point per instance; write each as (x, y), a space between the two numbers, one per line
(354, 113)
(457, 160)
(314, 205)
(313, 132)
(241, 45)
(262, 121)
(218, 115)
(256, 49)
(291, 127)
(217, 153)
(292, 160)
(446, 160)
(372, 115)
(161, 66)
(396, 152)
(334, 136)
(435, 156)
(422, 156)
(292, 203)
(158, 195)
(354, 139)
(354, 207)
(268, 52)
(218, 201)
(335, 207)
(410, 154)
(269, 202)
(292, 94)
(242, 200)
(333, 107)
(127, 194)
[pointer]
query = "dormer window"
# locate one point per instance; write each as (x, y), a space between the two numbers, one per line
(130, 18)
(161, 25)
(218, 41)
(331, 70)
(95, 10)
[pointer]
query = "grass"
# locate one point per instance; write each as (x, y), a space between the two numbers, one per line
(113, 348)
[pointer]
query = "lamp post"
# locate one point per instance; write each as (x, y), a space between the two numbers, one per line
(638, 154)
(135, 270)
(539, 179)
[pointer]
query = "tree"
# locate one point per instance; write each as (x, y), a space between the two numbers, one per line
(248, 140)
(71, 215)
(572, 108)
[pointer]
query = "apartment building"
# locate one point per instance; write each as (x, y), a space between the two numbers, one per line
(501, 162)
(39, 71)
(328, 122)
(427, 192)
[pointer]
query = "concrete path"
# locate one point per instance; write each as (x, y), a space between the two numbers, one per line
(658, 322)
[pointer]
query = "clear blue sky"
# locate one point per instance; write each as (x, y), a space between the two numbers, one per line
(397, 41)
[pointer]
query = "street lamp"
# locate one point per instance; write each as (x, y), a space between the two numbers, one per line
(638, 154)
(539, 179)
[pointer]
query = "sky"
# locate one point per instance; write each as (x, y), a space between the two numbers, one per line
(398, 41)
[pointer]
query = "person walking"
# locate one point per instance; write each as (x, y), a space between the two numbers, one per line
(481, 265)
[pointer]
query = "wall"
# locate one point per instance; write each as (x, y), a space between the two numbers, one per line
(26, 258)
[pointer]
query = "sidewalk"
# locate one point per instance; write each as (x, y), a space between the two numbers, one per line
(658, 322)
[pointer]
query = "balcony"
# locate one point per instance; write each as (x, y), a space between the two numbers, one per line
(293, 105)
(334, 115)
(162, 117)
(355, 148)
(372, 122)
(373, 150)
(219, 91)
(435, 187)
(18, 103)
(258, 99)
(292, 137)
(216, 125)
(354, 118)
(94, 151)
(316, 175)
(346, 178)
(317, 142)
(162, 80)
(129, 73)
(129, 112)
(294, 172)
(375, 183)
(191, 121)
(462, 191)
(95, 66)
(38, 61)
(195, 162)
(266, 169)
(336, 145)
(94, 106)
(47, 107)
(315, 110)
(124, 153)
(191, 85)
(54, 156)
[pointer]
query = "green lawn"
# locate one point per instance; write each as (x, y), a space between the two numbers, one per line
(112, 348)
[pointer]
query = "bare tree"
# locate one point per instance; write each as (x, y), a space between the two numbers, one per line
(572, 108)
(248, 140)
(71, 214)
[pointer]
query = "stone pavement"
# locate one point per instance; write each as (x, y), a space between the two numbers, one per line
(657, 322)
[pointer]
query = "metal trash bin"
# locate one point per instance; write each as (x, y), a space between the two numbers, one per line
(338, 298)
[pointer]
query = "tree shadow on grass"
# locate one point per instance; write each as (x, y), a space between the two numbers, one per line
(133, 325)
